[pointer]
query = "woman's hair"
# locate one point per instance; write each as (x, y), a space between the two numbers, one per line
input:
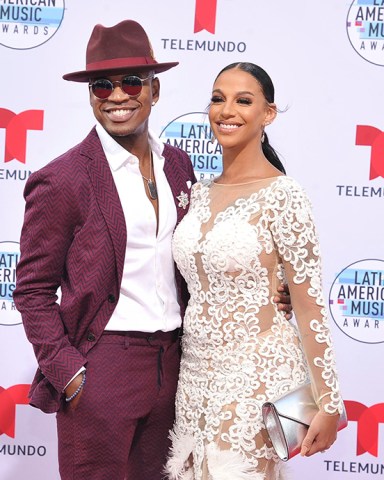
(269, 93)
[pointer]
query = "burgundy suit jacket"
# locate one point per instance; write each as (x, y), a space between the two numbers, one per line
(74, 238)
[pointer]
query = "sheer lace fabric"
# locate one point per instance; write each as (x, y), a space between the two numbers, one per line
(234, 247)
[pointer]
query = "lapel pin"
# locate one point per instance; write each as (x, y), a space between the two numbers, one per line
(183, 200)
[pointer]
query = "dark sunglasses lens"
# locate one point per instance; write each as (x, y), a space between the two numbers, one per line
(132, 85)
(102, 88)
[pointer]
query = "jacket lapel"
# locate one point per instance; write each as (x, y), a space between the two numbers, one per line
(180, 181)
(107, 197)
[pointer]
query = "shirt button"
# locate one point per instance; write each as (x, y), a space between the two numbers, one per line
(91, 337)
(111, 298)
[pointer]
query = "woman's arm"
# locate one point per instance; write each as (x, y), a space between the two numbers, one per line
(296, 239)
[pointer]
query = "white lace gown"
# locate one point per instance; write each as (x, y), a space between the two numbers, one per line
(234, 247)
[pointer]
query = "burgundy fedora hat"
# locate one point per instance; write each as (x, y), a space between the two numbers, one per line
(125, 47)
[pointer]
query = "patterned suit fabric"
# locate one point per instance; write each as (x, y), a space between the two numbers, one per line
(73, 211)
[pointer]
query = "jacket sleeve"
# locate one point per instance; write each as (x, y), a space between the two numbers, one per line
(50, 223)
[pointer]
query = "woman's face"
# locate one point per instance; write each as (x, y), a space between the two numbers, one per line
(238, 110)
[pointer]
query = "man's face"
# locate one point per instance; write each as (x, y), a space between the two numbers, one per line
(124, 116)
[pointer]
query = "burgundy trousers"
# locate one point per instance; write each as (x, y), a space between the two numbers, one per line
(119, 429)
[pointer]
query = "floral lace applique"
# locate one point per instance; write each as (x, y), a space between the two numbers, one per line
(234, 247)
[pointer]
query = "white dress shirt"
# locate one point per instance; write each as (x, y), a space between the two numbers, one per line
(148, 294)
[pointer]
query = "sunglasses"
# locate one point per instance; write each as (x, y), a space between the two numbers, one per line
(130, 84)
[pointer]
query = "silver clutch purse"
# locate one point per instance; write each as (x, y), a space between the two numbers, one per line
(287, 420)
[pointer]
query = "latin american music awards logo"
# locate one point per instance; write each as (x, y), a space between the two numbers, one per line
(9, 257)
(356, 301)
(365, 28)
(192, 133)
(29, 24)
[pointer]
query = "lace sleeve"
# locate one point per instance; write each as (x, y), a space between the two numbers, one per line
(294, 234)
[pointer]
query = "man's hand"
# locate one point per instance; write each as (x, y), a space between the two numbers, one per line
(283, 300)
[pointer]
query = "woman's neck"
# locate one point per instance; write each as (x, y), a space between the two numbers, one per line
(245, 166)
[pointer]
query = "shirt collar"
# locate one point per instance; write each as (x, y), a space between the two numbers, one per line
(118, 156)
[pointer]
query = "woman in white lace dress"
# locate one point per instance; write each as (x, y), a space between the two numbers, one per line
(246, 232)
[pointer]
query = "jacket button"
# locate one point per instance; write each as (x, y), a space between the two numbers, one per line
(91, 337)
(111, 298)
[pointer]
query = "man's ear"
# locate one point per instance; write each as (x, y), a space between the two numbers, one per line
(90, 95)
(155, 89)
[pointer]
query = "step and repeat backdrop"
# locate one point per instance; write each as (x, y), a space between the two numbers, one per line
(327, 63)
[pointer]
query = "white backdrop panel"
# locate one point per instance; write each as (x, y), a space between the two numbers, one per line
(326, 90)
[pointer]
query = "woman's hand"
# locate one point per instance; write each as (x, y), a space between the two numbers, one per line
(283, 300)
(321, 434)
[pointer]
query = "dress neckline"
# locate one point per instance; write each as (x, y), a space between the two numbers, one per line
(246, 183)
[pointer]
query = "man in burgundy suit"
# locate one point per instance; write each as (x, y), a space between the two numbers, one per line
(98, 225)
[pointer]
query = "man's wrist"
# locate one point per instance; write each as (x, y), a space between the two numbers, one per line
(82, 369)
(78, 389)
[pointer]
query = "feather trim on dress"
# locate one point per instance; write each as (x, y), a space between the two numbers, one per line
(177, 466)
(229, 465)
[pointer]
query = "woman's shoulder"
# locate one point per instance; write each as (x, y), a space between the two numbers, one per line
(289, 193)
(290, 184)
(287, 181)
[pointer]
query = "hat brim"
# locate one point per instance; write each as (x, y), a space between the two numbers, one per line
(85, 75)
